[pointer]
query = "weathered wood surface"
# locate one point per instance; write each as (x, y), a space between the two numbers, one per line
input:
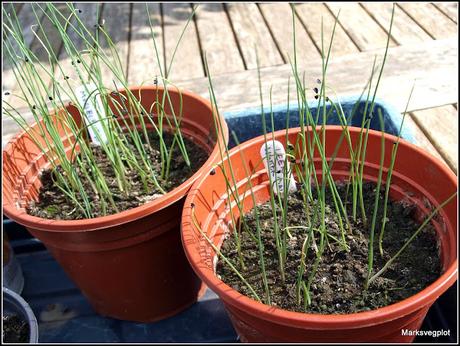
(218, 42)
(435, 82)
(423, 48)
(187, 61)
(15, 5)
(115, 18)
(435, 23)
(420, 138)
(404, 29)
(26, 18)
(450, 9)
(8, 80)
(312, 15)
(440, 125)
(361, 28)
(279, 19)
(46, 40)
(67, 74)
(144, 65)
(251, 32)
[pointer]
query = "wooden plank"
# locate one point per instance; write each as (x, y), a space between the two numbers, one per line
(16, 6)
(116, 16)
(450, 9)
(250, 30)
(311, 14)
(26, 18)
(8, 78)
(217, 39)
(143, 63)
(187, 61)
(404, 29)
(53, 44)
(279, 19)
(9, 126)
(361, 27)
(88, 14)
(430, 19)
(53, 37)
(420, 138)
(440, 125)
(431, 63)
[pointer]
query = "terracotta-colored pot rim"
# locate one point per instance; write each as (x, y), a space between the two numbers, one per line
(21, 216)
(315, 321)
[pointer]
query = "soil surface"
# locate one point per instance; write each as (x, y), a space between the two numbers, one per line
(54, 204)
(337, 287)
(15, 330)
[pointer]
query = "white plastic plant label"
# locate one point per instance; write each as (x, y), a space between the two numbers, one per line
(93, 111)
(274, 157)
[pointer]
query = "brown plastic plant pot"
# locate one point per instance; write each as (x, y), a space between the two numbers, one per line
(417, 177)
(130, 265)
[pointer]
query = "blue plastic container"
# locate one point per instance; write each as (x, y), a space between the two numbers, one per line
(247, 124)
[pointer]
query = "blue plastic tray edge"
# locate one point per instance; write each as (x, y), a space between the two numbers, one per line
(395, 116)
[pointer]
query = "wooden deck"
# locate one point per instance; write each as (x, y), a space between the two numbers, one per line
(423, 48)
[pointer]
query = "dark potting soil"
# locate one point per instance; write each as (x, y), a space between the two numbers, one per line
(338, 286)
(53, 204)
(15, 329)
